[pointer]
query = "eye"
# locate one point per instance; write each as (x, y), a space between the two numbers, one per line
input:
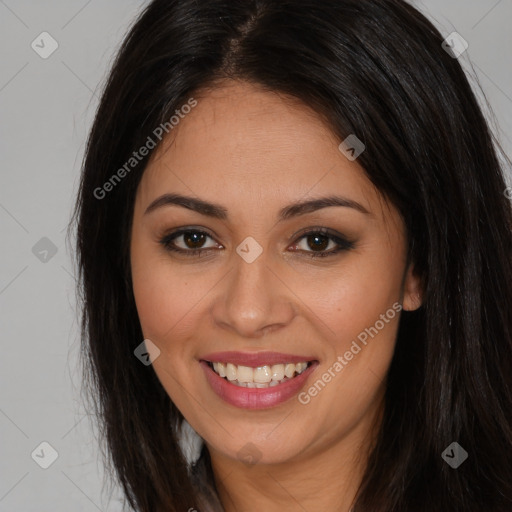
(192, 241)
(319, 239)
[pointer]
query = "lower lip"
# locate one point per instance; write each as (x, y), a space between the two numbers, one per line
(256, 398)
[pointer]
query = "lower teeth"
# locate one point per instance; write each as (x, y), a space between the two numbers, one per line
(270, 384)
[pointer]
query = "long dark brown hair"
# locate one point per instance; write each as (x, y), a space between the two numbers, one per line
(375, 68)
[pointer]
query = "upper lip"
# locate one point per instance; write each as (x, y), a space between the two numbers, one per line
(255, 359)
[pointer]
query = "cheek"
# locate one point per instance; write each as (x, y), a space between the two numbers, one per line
(167, 307)
(349, 383)
(167, 310)
(355, 296)
(163, 296)
(359, 304)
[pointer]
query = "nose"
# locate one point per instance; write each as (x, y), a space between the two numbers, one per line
(254, 300)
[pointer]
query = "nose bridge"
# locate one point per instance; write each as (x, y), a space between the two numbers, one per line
(253, 301)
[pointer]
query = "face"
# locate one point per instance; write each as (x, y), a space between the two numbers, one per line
(243, 271)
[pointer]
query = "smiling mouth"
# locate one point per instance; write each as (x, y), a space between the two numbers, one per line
(259, 377)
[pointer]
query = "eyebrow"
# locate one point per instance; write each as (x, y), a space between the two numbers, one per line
(219, 212)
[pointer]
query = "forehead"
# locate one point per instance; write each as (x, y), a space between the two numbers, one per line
(253, 148)
(248, 130)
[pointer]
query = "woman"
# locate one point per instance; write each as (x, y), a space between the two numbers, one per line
(294, 246)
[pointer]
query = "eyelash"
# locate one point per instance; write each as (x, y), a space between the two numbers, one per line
(343, 244)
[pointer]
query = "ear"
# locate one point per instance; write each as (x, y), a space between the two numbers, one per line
(412, 290)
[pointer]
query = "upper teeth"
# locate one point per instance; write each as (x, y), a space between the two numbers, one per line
(259, 375)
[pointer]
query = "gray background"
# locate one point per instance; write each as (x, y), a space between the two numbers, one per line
(47, 106)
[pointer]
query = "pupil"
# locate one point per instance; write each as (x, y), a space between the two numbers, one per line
(320, 241)
(197, 238)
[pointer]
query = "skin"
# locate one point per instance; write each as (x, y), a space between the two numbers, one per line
(254, 152)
